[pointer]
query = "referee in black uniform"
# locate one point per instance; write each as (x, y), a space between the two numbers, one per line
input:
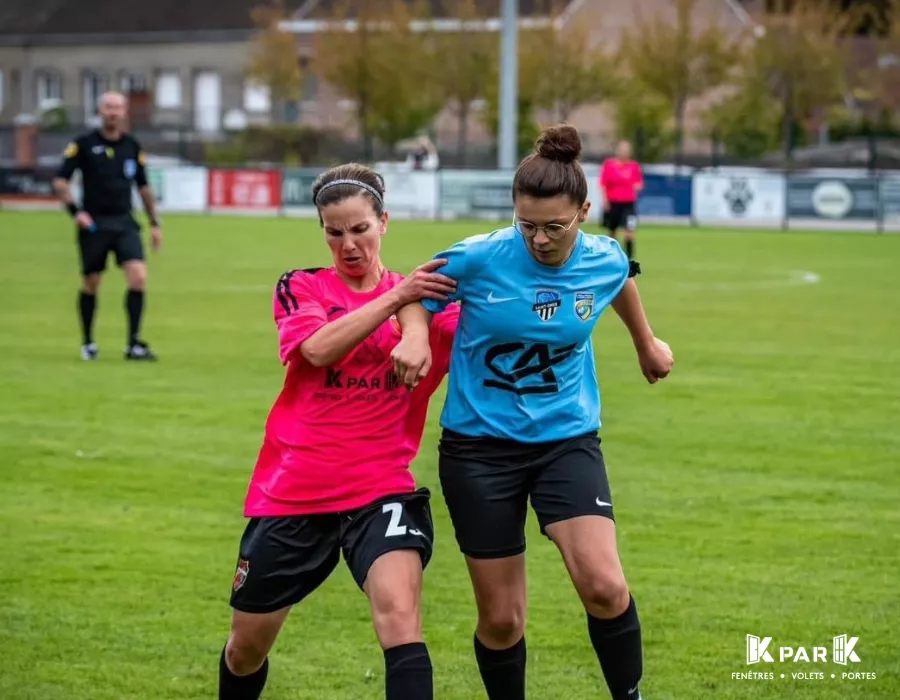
(111, 164)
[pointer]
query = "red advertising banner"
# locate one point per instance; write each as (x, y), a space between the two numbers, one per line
(244, 190)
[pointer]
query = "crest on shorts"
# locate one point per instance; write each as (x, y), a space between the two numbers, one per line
(546, 303)
(130, 168)
(240, 576)
(584, 305)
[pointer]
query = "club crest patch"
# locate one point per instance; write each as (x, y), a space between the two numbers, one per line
(584, 305)
(130, 168)
(546, 303)
(240, 576)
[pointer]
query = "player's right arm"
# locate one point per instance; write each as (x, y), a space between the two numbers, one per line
(71, 162)
(304, 328)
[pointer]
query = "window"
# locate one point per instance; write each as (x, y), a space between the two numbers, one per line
(49, 87)
(168, 90)
(257, 97)
(133, 82)
(95, 85)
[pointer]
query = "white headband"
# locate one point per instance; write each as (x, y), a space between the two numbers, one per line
(368, 188)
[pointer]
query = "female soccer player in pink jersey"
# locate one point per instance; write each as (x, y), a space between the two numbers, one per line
(621, 181)
(333, 472)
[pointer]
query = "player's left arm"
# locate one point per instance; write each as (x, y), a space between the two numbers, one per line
(412, 356)
(638, 178)
(654, 355)
(147, 197)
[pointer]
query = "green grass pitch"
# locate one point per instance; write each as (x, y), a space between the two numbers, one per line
(757, 489)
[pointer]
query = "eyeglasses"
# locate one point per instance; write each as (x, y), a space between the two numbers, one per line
(553, 231)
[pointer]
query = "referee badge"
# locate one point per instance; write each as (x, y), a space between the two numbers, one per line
(546, 303)
(130, 168)
(584, 305)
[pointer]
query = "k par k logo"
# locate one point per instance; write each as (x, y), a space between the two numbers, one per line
(842, 651)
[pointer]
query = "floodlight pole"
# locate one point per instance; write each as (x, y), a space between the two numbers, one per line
(509, 86)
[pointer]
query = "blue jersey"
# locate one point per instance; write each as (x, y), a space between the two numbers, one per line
(522, 366)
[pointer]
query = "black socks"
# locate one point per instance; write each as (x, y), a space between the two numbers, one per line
(134, 304)
(232, 687)
(503, 670)
(618, 646)
(87, 304)
(407, 673)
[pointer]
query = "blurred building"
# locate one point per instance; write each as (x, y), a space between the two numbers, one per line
(182, 64)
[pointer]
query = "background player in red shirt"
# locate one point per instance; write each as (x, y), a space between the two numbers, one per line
(333, 472)
(620, 182)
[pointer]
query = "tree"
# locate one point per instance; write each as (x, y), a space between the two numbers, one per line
(747, 120)
(273, 53)
(465, 63)
(567, 70)
(406, 101)
(875, 85)
(798, 51)
(527, 92)
(645, 119)
(372, 54)
(678, 60)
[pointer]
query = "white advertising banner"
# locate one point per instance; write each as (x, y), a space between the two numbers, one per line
(757, 200)
(411, 194)
(180, 189)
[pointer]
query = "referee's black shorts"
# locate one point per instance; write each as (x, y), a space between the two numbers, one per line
(119, 234)
(487, 483)
(620, 215)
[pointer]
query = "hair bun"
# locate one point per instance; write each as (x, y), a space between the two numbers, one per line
(561, 143)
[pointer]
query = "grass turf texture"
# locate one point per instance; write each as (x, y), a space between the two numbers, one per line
(756, 489)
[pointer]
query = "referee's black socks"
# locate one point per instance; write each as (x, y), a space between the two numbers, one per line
(232, 687)
(618, 646)
(407, 673)
(87, 304)
(629, 248)
(502, 670)
(134, 304)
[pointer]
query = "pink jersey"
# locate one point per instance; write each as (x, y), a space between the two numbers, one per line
(340, 437)
(620, 178)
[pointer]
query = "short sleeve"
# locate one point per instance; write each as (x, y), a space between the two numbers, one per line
(298, 311)
(140, 175)
(71, 160)
(457, 268)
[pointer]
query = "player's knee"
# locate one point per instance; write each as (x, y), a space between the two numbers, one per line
(137, 277)
(90, 284)
(397, 620)
(244, 654)
(604, 595)
(503, 625)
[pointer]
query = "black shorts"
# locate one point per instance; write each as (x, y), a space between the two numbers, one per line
(112, 234)
(284, 559)
(487, 483)
(621, 215)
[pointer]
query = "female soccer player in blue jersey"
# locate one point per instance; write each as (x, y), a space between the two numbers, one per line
(522, 412)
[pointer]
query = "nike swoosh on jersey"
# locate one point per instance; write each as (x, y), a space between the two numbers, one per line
(497, 300)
